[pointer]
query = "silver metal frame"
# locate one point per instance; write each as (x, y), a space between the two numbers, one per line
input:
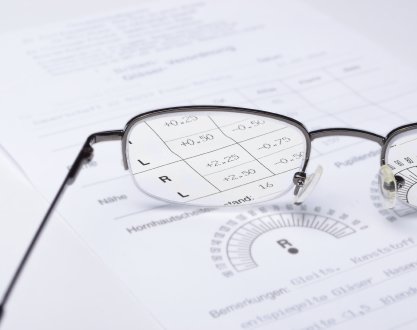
(299, 177)
(200, 108)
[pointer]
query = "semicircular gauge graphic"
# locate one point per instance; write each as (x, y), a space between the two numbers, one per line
(232, 244)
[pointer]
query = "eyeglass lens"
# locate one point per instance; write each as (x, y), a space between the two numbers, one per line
(214, 157)
(402, 158)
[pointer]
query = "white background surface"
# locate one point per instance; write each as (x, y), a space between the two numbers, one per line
(65, 285)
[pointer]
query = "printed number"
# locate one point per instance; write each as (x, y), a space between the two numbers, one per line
(266, 185)
(233, 177)
(226, 159)
(277, 142)
(182, 121)
(252, 124)
(200, 139)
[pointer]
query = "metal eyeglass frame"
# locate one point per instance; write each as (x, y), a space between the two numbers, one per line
(86, 154)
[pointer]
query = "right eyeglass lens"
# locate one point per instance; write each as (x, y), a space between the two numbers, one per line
(216, 157)
(402, 158)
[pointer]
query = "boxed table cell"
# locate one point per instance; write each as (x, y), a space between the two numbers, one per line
(221, 159)
(176, 182)
(239, 175)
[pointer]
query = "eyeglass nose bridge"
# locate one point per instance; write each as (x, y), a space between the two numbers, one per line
(350, 132)
(305, 184)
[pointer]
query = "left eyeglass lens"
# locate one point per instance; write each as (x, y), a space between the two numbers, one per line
(214, 158)
(401, 156)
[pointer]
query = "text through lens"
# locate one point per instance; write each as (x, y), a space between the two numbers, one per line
(214, 158)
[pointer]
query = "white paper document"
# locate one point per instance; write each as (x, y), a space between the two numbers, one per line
(341, 260)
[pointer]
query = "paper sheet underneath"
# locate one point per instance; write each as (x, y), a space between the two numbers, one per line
(62, 82)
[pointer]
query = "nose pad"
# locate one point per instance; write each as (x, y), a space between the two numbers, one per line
(387, 186)
(306, 184)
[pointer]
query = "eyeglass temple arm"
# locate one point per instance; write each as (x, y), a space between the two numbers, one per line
(84, 156)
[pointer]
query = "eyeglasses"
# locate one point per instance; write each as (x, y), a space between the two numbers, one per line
(217, 155)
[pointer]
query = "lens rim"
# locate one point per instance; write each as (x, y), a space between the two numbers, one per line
(206, 108)
(385, 150)
(391, 136)
(198, 108)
